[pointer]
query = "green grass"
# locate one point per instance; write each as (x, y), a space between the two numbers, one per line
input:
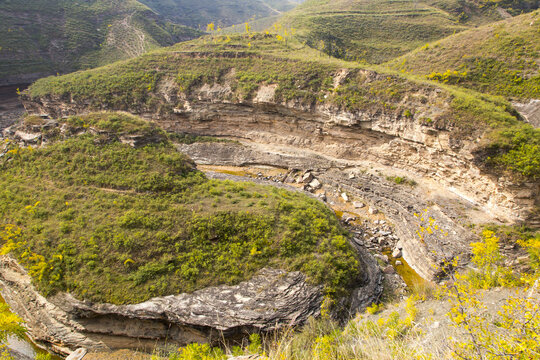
(499, 58)
(378, 31)
(49, 36)
(111, 223)
(516, 148)
(199, 13)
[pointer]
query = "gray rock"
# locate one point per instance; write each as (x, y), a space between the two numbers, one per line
(77, 354)
(389, 270)
(397, 253)
(315, 184)
(307, 178)
(344, 196)
(398, 263)
(358, 205)
(373, 211)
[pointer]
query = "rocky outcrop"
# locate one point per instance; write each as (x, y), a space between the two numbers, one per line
(398, 203)
(396, 135)
(271, 300)
(530, 111)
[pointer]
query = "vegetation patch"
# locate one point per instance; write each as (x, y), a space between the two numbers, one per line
(112, 223)
(515, 149)
(499, 58)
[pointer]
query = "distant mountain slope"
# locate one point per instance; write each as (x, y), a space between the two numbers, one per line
(198, 13)
(376, 31)
(47, 36)
(501, 58)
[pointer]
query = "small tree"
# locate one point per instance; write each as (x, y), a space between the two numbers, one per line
(514, 331)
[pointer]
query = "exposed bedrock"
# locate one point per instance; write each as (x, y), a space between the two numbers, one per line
(398, 203)
(271, 300)
(325, 134)
(386, 137)
(530, 111)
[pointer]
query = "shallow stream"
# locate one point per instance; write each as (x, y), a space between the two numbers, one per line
(25, 348)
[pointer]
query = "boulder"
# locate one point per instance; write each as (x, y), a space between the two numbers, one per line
(307, 178)
(315, 184)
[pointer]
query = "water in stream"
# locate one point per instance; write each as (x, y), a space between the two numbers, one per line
(24, 348)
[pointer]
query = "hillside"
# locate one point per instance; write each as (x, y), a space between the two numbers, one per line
(254, 191)
(378, 31)
(197, 14)
(107, 217)
(245, 63)
(57, 36)
(501, 58)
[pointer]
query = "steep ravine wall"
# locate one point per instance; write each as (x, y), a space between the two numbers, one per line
(269, 301)
(381, 136)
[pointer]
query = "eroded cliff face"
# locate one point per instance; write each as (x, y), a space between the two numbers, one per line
(271, 300)
(412, 135)
(402, 135)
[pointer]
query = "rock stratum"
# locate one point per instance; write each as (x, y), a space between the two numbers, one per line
(416, 129)
(269, 301)
(352, 144)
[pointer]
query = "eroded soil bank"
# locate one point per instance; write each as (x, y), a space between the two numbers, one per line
(11, 107)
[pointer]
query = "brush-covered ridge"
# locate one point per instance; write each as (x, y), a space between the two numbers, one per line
(500, 58)
(109, 222)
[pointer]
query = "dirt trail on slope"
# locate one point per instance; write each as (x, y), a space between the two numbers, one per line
(128, 38)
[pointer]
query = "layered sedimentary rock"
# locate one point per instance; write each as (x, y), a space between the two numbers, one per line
(271, 300)
(387, 135)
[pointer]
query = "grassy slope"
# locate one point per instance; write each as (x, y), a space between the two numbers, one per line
(198, 13)
(112, 223)
(61, 35)
(501, 58)
(377, 31)
(132, 85)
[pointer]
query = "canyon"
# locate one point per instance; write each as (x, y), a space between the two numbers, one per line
(404, 164)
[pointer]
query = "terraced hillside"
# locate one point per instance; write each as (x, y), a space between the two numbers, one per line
(50, 36)
(502, 58)
(198, 14)
(378, 31)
